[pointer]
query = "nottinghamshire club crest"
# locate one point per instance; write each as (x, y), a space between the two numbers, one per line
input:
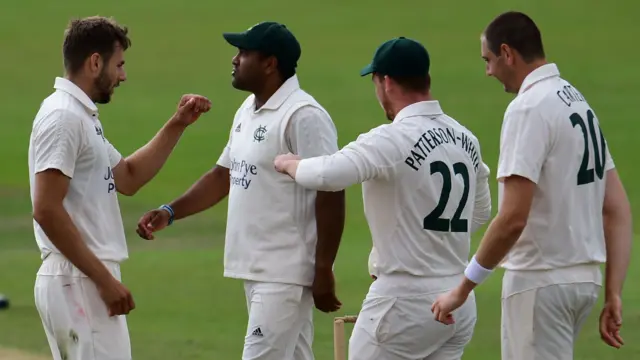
(259, 134)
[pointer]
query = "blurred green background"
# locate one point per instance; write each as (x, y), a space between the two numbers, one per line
(185, 308)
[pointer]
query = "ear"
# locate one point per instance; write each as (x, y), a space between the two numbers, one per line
(271, 65)
(387, 84)
(508, 53)
(96, 63)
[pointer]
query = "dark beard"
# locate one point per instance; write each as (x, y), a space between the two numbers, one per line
(103, 89)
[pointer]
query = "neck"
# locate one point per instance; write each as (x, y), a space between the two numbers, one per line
(409, 99)
(83, 83)
(267, 91)
(527, 69)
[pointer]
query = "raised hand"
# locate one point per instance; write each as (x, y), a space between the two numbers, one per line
(190, 108)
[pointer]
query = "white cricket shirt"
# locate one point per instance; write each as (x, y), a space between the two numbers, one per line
(271, 230)
(551, 136)
(425, 189)
(68, 136)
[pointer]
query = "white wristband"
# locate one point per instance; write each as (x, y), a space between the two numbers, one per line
(475, 272)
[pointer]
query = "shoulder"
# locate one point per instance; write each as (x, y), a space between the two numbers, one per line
(312, 111)
(246, 103)
(312, 116)
(381, 136)
(523, 108)
(51, 118)
(457, 126)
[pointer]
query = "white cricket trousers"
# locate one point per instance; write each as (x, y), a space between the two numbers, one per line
(75, 318)
(280, 322)
(396, 322)
(543, 323)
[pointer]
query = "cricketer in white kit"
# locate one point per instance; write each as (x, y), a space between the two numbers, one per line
(75, 174)
(563, 210)
(425, 190)
(281, 239)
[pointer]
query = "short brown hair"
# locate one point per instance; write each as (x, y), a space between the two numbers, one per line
(419, 83)
(94, 34)
(518, 31)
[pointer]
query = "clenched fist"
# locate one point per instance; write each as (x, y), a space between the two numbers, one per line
(190, 108)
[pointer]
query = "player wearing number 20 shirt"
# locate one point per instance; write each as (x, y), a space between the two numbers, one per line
(562, 208)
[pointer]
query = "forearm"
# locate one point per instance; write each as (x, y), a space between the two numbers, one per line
(209, 190)
(618, 238)
(501, 236)
(62, 232)
(330, 217)
(498, 240)
(327, 173)
(147, 161)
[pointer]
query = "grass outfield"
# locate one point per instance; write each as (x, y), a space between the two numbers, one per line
(185, 308)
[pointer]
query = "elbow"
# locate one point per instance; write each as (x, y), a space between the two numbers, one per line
(514, 226)
(618, 219)
(125, 180)
(320, 184)
(618, 212)
(43, 212)
(331, 183)
(127, 191)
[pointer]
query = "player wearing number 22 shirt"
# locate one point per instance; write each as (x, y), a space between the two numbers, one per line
(425, 189)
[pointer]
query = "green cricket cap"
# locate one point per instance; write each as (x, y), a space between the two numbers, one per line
(399, 57)
(270, 38)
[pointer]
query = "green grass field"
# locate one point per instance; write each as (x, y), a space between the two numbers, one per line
(185, 308)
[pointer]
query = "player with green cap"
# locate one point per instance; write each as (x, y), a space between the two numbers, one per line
(425, 191)
(281, 239)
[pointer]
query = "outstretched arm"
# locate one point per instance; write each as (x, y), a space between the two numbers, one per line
(209, 190)
(372, 155)
(133, 172)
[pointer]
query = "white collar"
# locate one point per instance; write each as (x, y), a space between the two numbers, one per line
(72, 89)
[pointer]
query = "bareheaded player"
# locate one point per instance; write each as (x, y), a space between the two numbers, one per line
(281, 239)
(425, 189)
(75, 175)
(563, 210)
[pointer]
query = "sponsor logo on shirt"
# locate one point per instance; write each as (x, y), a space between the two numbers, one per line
(241, 173)
(109, 178)
(99, 133)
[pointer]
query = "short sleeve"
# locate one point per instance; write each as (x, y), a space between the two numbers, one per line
(225, 159)
(609, 164)
(311, 132)
(114, 154)
(56, 142)
(524, 144)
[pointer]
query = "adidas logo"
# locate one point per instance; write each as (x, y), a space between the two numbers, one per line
(238, 127)
(257, 332)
